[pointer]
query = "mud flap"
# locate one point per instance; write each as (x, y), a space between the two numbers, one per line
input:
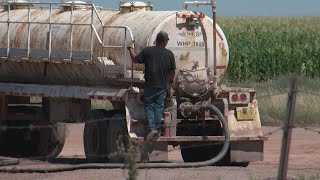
(246, 151)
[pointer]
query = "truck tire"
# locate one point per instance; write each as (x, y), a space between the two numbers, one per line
(240, 164)
(104, 135)
(198, 152)
(94, 136)
(201, 151)
(117, 138)
(44, 143)
(52, 140)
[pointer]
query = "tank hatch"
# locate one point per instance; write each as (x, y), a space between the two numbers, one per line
(76, 5)
(135, 6)
(14, 4)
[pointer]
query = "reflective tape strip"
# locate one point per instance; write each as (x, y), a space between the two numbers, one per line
(190, 15)
(110, 98)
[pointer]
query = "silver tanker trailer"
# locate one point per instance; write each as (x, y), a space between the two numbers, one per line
(68, 55)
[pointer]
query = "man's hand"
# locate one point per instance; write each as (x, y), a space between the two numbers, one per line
(130, 45)
(133, 54)
(170, 90)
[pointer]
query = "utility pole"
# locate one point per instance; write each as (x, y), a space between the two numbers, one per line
(287, 130)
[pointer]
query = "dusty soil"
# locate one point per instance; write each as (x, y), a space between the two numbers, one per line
(304, 161)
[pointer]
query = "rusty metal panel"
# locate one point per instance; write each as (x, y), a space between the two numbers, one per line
(28, 72)
(80, 92)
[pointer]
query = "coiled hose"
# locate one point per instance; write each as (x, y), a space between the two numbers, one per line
(209, 162)
(6, 161)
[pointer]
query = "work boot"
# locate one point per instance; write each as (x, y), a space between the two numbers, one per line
(152, 136)
(151, 139)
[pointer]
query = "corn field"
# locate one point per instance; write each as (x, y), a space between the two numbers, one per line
(266, 48)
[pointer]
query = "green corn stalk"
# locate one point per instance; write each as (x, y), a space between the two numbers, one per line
(263, 49)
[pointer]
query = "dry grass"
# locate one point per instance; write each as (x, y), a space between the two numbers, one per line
(272, 99)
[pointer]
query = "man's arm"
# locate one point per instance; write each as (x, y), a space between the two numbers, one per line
(172, 74)
(173, 68)
(133, 55)
(136, 58)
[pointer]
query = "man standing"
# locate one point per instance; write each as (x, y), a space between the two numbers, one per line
(159, 72)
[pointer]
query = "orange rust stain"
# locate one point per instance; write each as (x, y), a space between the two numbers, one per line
(34, 35)
(3, 14)
(82, 17)
(110, 36)
(112, 19)
(184, 57)
(37, 13)
(223, 53)
(18, 36)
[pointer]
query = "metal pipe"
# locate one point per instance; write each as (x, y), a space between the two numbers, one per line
(29, 32)
(205, 38)
(214, 18)
(196, 3)
(71, 33)
(209, 162)
(46, 3)
(100, 41)
(50, 31)
(68, 24)
(92, 26)
(95, 10)
(102, 55)
(125, 53)
(8, 31)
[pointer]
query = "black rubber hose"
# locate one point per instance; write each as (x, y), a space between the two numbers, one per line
(7, 161)
(209, 162)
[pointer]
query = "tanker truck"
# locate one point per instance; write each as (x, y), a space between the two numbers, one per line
(58, 59)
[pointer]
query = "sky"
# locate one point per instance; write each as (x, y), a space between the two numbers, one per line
(238, 7)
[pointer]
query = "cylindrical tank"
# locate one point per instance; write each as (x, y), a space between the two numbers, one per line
(186, 39)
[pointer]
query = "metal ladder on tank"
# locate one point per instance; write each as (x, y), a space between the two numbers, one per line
(65, 57)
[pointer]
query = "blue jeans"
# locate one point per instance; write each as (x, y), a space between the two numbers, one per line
(153, 106)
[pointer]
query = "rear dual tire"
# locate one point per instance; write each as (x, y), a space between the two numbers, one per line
(43, 143)
(104, 135)
(203, 151)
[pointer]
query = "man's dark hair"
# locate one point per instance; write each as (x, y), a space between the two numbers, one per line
(162, 36)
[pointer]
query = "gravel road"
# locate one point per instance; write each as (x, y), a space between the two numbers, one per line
(304, 161)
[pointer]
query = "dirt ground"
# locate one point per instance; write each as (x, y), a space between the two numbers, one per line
(304, 162)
